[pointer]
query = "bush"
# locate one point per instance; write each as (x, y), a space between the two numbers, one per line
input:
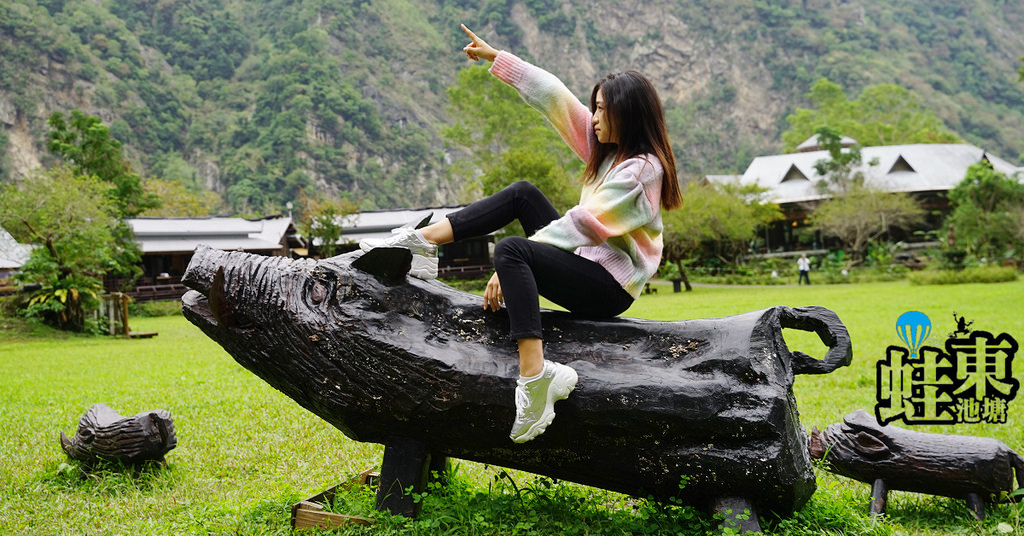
(9, 306)
(987, 274)
(952, 259)
(669, 271)
(743, 279)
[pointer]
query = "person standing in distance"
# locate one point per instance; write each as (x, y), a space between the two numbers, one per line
(803, 264)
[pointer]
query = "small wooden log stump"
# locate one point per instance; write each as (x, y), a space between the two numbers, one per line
(105, 435)
(974, 469)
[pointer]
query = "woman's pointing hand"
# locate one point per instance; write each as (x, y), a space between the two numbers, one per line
(478, 48)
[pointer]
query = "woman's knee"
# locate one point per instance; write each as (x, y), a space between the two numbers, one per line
(510, 249)
(525, 190)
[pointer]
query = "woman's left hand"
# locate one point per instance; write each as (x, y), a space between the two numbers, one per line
(492, 294)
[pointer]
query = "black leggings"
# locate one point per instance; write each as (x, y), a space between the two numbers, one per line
(528, 269)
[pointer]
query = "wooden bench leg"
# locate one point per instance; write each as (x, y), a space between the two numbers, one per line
(406, 465)
(439, 469)
(737, 514)
(879, 496)
(976, 504)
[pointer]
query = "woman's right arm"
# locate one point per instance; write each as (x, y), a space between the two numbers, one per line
(543, 91)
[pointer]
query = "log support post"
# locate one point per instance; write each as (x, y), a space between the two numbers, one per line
(737, 513)
(879, 496)
(976, 504)
(404, 472)
(439, 469)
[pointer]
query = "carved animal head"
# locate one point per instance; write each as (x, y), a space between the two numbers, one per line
(858, 436)
(104, 434)
(251, 292)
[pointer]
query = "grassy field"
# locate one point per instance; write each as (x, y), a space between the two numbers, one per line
(246, 453)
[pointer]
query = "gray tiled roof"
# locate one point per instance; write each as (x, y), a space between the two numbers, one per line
(791, 178)
(12, 254)
(181, 235)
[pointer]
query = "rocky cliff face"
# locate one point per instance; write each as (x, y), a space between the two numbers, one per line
(684, 63)
(22, 150)
(54, 87)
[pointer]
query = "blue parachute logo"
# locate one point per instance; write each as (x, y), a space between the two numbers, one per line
(913, 327)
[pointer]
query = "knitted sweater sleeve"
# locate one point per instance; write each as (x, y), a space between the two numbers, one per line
(618, 206)
(547, 94)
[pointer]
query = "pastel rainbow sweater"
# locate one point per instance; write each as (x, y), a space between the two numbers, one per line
(617, 222)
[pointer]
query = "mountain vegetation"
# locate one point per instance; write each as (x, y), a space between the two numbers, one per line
(261, 101)
(883, 114)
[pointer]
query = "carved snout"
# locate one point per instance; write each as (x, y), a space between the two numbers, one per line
(238, 282)
(240, 269)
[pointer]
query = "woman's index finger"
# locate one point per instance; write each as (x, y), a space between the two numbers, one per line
(469, 33)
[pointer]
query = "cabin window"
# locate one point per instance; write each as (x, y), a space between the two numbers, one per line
(794, 173)
(901, 164)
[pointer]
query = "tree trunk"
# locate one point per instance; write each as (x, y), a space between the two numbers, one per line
(682, 275)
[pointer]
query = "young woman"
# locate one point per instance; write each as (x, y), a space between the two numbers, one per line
(596, 258)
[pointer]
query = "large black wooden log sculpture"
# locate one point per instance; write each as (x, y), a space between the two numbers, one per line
(422, 368)
(888, 457)
(106, 435)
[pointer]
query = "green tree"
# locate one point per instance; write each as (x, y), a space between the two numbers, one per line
(860, 215)
(716, 220)
(178, 201)
(882, 114)
(856, 213)
(72, 218)
(86, 145)
(986, 216)
(322, 219)
(841, 168)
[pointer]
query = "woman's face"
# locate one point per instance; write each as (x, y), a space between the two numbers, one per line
(602, 125)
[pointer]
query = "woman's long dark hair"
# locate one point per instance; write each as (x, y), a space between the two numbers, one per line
(635, 114)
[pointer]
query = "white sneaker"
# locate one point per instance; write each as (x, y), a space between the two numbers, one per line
(535, 400)
(424, 254)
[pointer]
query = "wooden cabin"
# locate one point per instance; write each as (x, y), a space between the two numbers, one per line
(167, 245)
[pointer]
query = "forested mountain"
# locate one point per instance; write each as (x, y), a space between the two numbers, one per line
(257, 99)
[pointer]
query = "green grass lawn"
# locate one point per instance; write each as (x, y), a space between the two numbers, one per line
(246, 453)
